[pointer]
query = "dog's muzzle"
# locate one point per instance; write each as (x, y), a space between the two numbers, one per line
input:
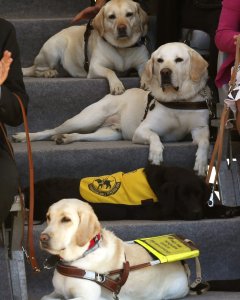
(166, 79)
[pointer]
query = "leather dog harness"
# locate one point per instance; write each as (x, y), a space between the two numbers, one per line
(112, 284)
(115, 279)
(182, 105)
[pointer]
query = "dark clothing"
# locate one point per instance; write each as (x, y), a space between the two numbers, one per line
(10, 114)
(173, 15)
(8, 183)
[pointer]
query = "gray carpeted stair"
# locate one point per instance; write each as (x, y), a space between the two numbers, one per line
(54, 100)
(29, 9)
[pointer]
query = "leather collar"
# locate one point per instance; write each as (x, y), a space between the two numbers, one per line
(93, 244)
(142, 41)
(182, 105)
(185, 105)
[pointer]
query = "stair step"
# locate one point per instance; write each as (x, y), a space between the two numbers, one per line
(41, 9)
(33, 33)
(83, 159)
(216, 240)
(54, 100)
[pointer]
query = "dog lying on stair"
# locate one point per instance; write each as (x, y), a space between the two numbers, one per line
(176, 76)
(116, 43)
(74, 233)
(153, 193)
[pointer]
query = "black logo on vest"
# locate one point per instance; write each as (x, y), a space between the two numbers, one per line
(105, 186)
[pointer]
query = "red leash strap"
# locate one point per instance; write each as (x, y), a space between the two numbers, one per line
(31, 256)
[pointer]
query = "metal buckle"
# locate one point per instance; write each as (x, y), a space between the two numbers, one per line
(51, 262)
(100, 277)
(211, 201)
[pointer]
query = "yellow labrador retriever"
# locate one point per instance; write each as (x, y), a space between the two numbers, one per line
(175, 75)
(115, 44)
(71, 229)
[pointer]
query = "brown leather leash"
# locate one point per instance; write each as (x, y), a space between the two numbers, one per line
(217, 150)
(31, 257)
(218, 146)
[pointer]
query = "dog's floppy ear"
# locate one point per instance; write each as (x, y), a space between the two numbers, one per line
(147, 74)
(89, 227)
(198, 65)
(143, 19)
(98, 22)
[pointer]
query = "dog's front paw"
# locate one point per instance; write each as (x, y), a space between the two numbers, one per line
(155, 156)
(117, 88)
(200, 167)
(144, 86)
(19, 137)
(64, 138)
(50, 73)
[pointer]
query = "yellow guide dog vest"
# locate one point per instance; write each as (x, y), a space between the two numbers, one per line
(119, 188)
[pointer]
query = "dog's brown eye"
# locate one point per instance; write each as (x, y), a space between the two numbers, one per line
(112, 17)
(48, 218)
(160, 60)
(129, 14)
(178, 59)
(65, 220)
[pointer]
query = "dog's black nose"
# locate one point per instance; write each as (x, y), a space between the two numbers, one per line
(166, 72)
(122, 30)
(44, 238)
(166, 77)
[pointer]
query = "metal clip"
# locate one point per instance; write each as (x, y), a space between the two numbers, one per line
(115, 296)
(51, 262)
(100, 277)
(211, 200)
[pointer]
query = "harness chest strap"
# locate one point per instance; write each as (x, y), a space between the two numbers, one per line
(114, 285)
(87, 34)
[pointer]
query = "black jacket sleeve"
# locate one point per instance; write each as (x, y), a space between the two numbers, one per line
(10, 111)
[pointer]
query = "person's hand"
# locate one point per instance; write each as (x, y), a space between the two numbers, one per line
(235, 38)
(87, 13)
(5, 63)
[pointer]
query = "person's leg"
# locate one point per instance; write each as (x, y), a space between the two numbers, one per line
(206, 20)
(8, 183)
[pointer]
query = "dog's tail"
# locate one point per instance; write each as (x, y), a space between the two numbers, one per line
(225, 285)
(30, 71)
